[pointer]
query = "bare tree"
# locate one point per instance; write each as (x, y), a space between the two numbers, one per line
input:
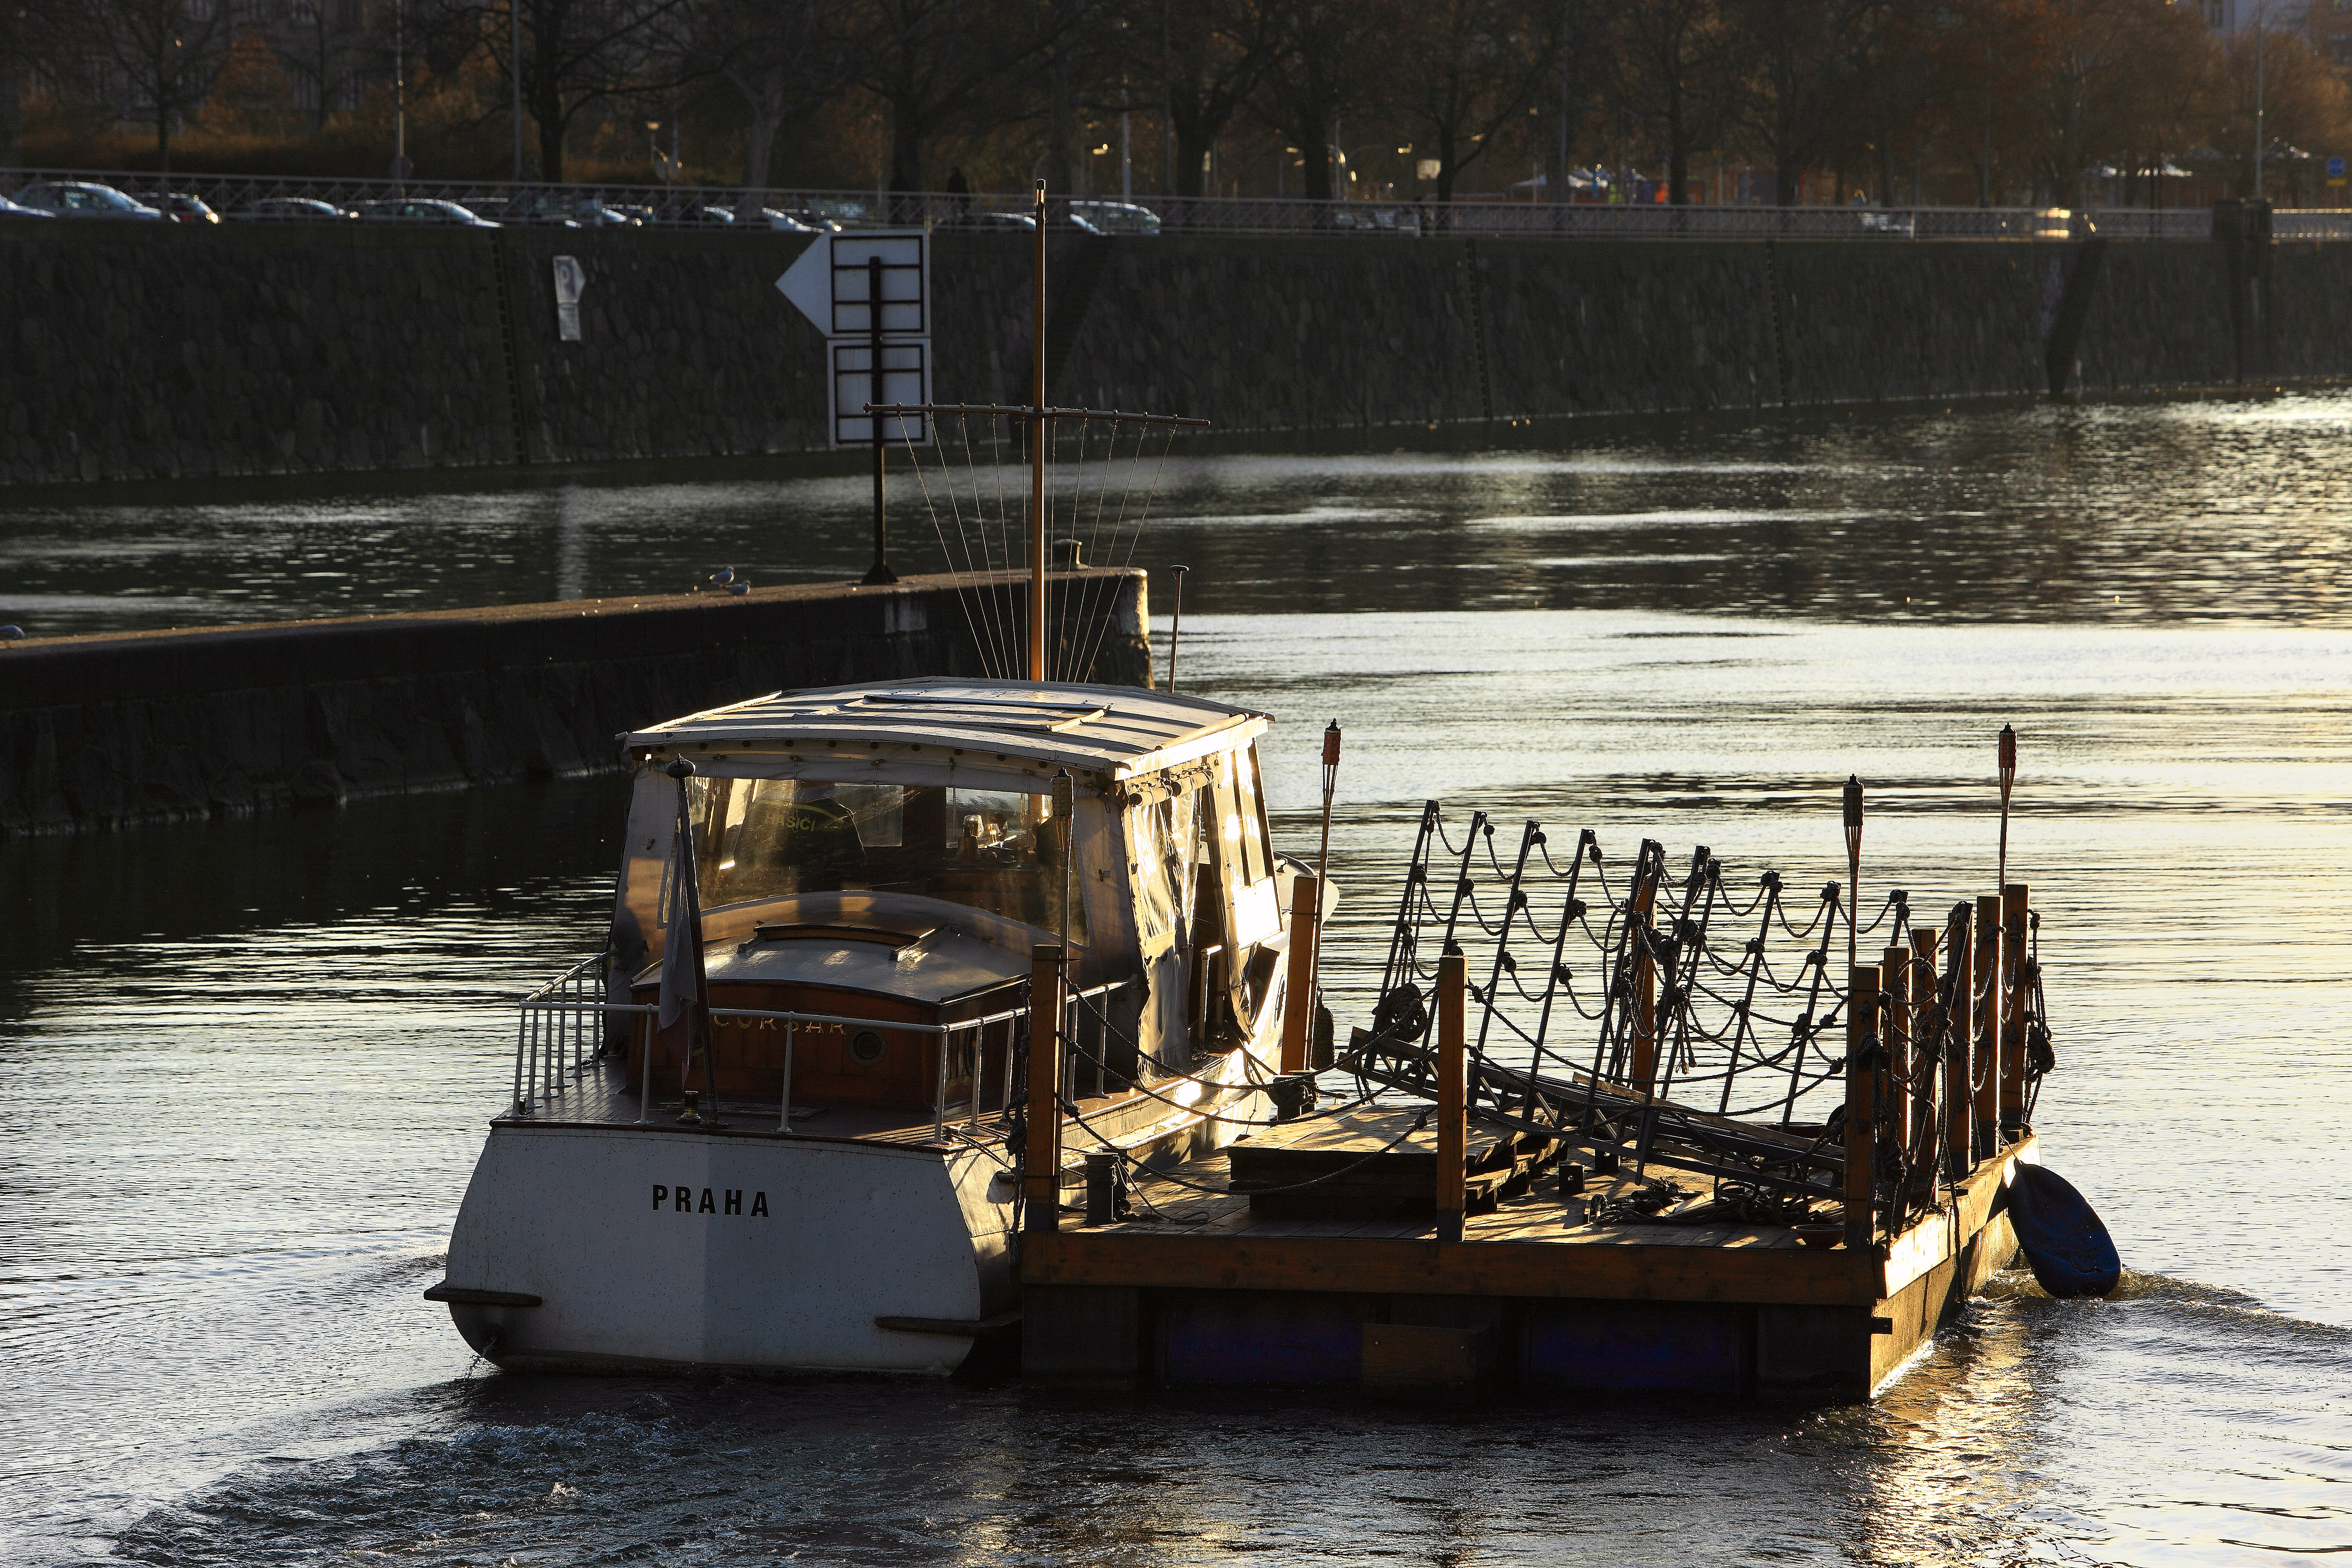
(164, 52)
(784, 56)
(936, 64)
(576, 55)
(1799, 81)
(18, 28)
(1314, 71)
(1677, 72)
(1464, 69)
(1210, 57)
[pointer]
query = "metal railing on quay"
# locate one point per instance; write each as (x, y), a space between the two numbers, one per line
(552, 1048)
(257, 198)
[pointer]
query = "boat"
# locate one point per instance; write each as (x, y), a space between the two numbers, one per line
(881, 873)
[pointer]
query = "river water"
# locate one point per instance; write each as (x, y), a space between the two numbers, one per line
(245, 1065)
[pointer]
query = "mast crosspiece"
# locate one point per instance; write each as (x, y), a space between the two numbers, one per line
(1037, 423)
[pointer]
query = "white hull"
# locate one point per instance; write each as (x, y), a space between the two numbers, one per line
(852, 1231)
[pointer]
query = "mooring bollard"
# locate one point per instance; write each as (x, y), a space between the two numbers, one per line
(1042, 1188)
(1102, 1186)
(1453, 1129)
(1861, 1102)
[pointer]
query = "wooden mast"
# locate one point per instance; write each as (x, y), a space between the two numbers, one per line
(1037, 438)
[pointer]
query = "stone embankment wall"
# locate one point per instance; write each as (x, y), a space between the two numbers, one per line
(146, 350)
(105, 731)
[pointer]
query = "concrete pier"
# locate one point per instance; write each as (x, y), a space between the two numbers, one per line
(106, 731)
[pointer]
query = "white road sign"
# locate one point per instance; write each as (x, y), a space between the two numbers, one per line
(906, 379)
(571, 277)
(832, 283)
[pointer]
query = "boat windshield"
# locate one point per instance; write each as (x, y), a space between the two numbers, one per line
(779, 838)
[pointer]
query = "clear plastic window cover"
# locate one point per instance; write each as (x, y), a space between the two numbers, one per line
(757, 840)
(1163, 844)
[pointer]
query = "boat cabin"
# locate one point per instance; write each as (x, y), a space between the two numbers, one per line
(884, 854)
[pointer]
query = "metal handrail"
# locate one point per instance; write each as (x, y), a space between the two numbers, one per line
(551, 1039)
(1406, 217)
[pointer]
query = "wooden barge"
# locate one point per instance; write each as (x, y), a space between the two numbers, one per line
(1205, 1282)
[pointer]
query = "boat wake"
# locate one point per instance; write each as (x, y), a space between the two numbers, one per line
(2037, 1431)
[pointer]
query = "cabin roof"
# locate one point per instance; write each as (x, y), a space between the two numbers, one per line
(1124, 731)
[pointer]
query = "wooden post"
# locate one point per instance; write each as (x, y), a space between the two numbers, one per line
(1453, 1129)
(1638, 919)
(1042, 1156)
(2012, 1009)
(1298, 991)
(1925, 1111)
(1895, 979)
(1984, 1026)
(1860, 1101)
(1959, 1121)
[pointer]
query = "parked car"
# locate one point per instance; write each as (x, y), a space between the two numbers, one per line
(417, 210)
(801, 220)
(1380, 220)
(593, 214)
(9, 209)
(707, 215)
(184, 208)
(1114, 218)
(83, 199)
(1003, 223)
(541, 209)
(291, 208)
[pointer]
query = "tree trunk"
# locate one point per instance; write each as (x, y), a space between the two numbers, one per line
(765, 98)
(1446, 181)
(1318, 159)
(1060, 176)
(550, 146)
(1678, 144)
(12, 112)
(1192, 152)
(906, 150)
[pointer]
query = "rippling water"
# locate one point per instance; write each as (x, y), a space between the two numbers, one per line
(245, 1066)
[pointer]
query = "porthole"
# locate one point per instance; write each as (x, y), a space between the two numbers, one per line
(866, 1047)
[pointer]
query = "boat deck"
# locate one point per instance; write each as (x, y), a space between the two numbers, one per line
(1196, 1288)
(1174, 1204)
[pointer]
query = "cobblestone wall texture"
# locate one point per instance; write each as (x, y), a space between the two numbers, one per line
(146, 350)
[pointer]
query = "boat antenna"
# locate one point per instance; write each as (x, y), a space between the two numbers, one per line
(1175, 626)
(2008, 781)
(1038, 436)
(1854, 868)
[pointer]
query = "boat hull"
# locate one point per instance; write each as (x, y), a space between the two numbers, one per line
(655, 1248)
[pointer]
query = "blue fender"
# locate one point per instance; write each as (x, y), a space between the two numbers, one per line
(2070, 1251)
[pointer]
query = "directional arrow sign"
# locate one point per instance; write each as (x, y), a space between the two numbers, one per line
(830, 282)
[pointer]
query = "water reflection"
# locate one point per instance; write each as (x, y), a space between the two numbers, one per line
(244, 1065)
(2165, 512)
